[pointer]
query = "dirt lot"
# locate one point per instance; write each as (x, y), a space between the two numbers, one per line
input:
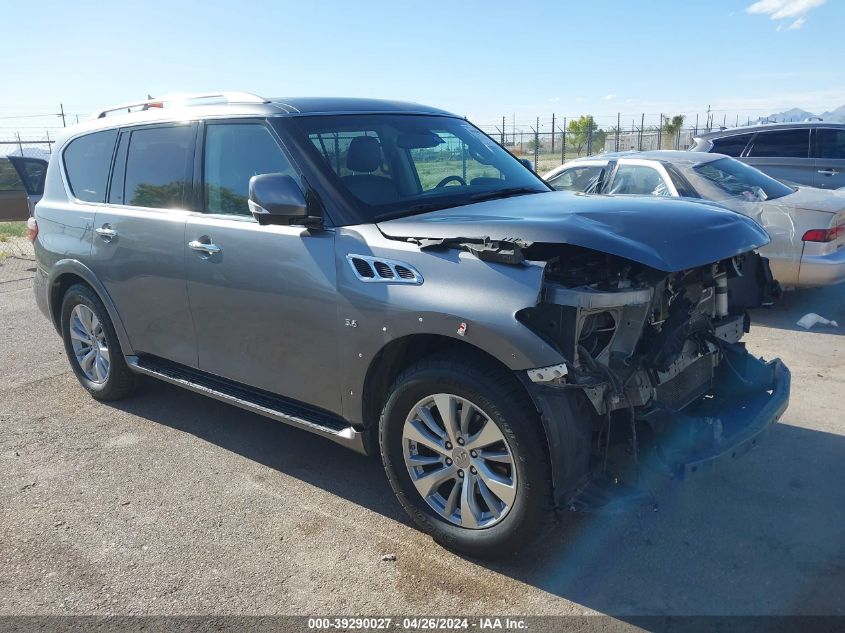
(171, 503)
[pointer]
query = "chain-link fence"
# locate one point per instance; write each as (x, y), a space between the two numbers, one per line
(551, 141)
(17, 258)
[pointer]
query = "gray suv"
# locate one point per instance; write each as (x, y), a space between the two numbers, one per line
(810, 153)
(386, 276)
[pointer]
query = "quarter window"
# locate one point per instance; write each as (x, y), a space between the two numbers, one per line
(87, 161)
(234, 153)
(158, 164)
(831, 143)
(731, 145)
(782, 144)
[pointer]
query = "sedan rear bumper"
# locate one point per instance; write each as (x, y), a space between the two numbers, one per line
(822, 270)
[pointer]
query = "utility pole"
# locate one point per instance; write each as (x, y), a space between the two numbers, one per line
(640, 138)
(20, 145)
(49, 142)
(62, 114)
(503, 131)
(553, 132)
(563, 143)
(660, 133)
(618, 128)
(537, 144)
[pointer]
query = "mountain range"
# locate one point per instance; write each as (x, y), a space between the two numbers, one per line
(797, 114)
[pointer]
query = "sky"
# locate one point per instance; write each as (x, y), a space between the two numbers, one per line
(483, 60)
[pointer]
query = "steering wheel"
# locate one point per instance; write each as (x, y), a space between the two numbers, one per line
(449, 179)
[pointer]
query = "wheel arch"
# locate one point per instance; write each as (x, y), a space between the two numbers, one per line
(64, 274)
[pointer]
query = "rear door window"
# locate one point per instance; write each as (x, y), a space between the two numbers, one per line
(158, 167)
(87, 160)
(10, 180)
(830, 144)
(32, 172)
(578, 178)
(731, 145)
(782, 144)
(639, 180)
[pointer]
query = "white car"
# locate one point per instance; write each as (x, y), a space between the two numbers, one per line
(806, 225)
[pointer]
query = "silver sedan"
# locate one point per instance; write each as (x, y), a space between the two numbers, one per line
(807, 225)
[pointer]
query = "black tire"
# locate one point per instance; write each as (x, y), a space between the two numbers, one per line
(120, 381)
(505, 402)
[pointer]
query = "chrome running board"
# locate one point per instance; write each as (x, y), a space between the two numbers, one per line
(263, 403)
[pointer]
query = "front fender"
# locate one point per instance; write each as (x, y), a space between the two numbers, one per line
(462, 298)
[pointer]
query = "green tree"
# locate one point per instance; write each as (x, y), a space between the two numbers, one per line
(672, 127)
(578, 133)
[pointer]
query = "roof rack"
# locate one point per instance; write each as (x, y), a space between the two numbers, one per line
(183, 100)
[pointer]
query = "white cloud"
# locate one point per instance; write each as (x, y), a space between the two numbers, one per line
(795, 10)
(553, 100)
(609, 97)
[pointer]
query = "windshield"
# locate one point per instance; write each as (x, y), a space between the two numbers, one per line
(736, 179)
(392, 165)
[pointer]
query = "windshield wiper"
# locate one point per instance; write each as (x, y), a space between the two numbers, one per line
(504, 193)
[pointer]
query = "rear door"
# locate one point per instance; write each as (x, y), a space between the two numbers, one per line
(13, 197)
(263, 297)
(138, 251)
(830, 158)
(783, 154)
(32, 172)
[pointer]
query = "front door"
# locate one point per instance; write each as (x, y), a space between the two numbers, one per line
(263, 298)
(138, 248)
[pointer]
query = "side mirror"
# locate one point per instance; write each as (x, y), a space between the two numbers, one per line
(277, 199)
(527, 163)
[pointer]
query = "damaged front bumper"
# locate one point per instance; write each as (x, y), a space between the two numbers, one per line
(746, 396)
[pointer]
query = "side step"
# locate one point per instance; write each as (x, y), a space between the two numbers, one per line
(269, 405)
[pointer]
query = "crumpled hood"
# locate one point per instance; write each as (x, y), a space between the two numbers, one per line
(828, 200)
(664, 233)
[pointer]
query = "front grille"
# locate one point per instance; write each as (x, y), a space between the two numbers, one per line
(692, 382)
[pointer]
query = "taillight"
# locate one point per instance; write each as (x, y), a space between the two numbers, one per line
(824, 235)
(31, 229)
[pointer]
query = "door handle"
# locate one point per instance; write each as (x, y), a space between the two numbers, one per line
(828, 172)
(204, 247)
(106, 232)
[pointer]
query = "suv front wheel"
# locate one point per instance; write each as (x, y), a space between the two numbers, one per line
(92, 347)
(464, 452)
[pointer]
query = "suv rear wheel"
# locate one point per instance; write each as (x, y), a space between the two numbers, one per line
(463, 450)
(92, 347)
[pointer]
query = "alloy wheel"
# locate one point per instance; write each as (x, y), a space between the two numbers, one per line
(89, 344)
(459, 461)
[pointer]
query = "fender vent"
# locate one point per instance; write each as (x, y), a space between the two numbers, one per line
(384, 271)
(362, 268)
(377, 269)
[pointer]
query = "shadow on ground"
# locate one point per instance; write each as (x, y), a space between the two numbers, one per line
(765, 534)
(828, 302)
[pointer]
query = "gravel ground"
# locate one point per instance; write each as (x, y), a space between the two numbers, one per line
(171, 503)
